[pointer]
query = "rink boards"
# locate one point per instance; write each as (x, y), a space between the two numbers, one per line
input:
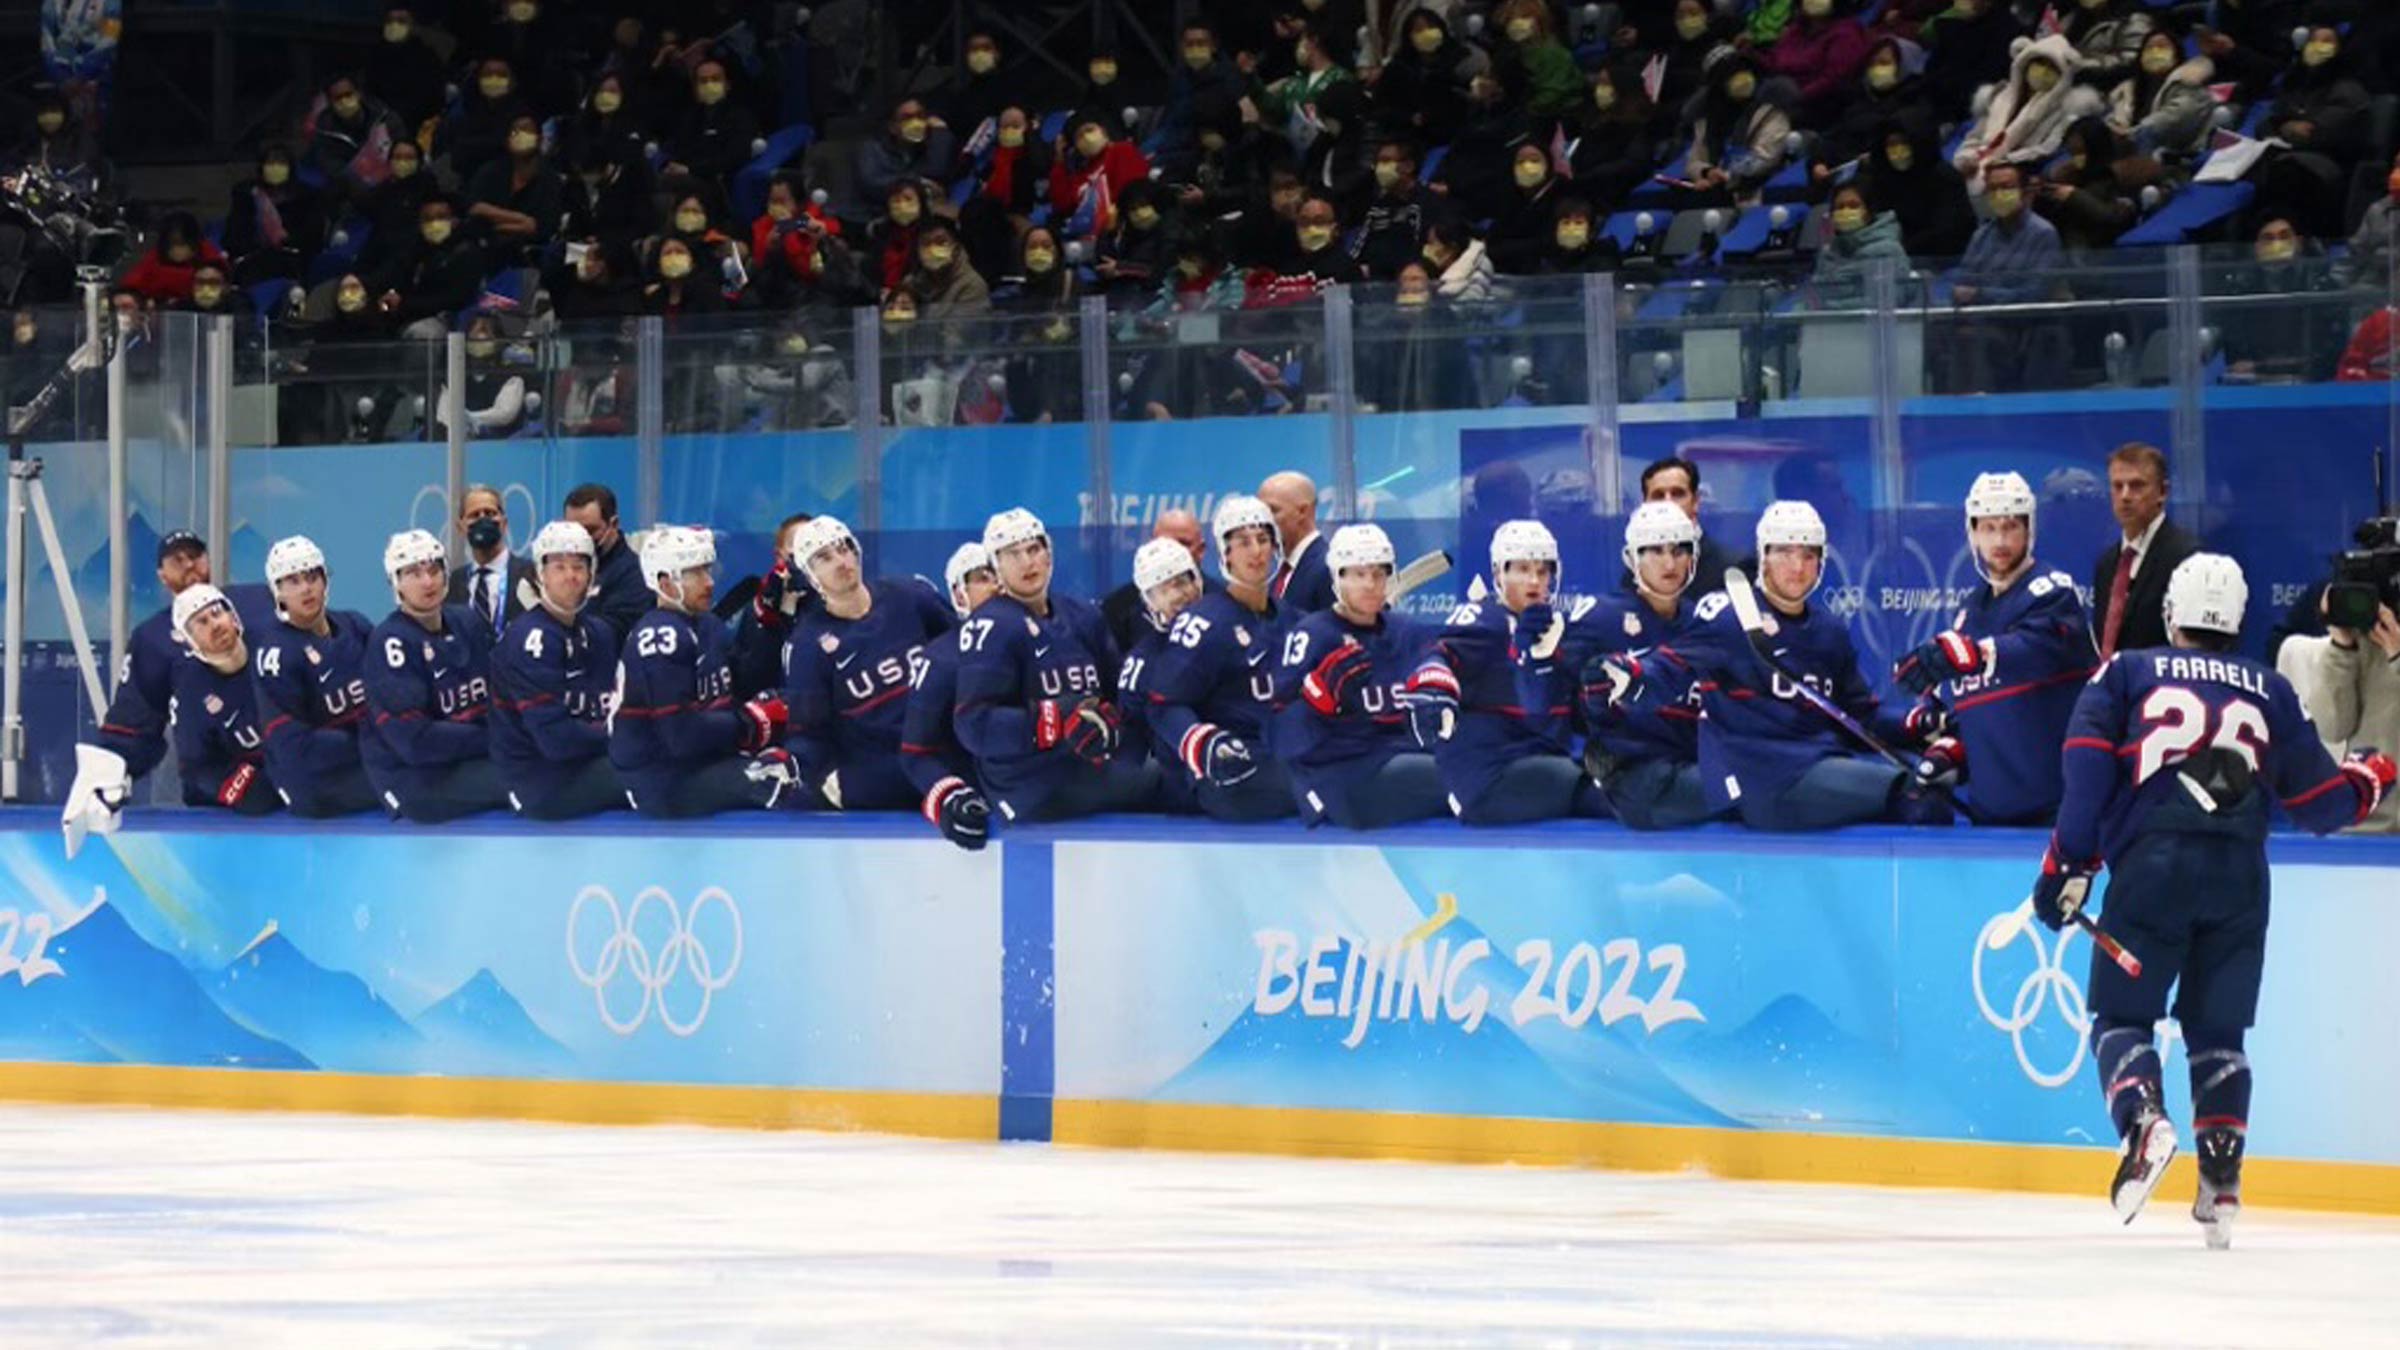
(1849, 1007)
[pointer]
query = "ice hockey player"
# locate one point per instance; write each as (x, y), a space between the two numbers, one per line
(429, 689)
(135, 726)
(1166, 581)
(847, 671)
(1036, 691)
(682, 745)
(1462, 703)
(219, 752)
(1211, 689)
(1765, 752)
(938, 767)
(2168, 764)
(551, 683)
(1996, 689)
(1340, 729)
(1611, 673)
(312, 691)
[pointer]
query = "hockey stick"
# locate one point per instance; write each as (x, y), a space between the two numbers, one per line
(2021, 918)
(1417, 573)
(1754, 623)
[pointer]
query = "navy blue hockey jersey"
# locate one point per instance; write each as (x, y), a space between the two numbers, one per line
(2012, 712)
(135, 725)
(1756, 736)
(1216, 668)
(429, 694)
(1334, 752)
(1659, 718)
(551, 684)
(846, 682)
(312, 693)
(929, 748)
(674, 700)
(1494, 727)
(2147, 711)
(216, 728)
(1009, 660)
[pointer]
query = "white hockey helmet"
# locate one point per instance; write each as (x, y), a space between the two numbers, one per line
(1012, 527)
(1241, 511)
(815, 535)
(408, 549)
(1524, 541)
(1160, 561)
(965, 560)
(1659, 525)
(1787, 523)
(292, 557)
(190, 601)
(1358, 546)
(563, 536)
(2207, 592)
(670, 551)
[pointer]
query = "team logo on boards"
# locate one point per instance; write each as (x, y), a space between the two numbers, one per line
(628, 980)
(2047, 986)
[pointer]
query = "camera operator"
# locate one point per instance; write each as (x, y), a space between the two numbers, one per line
(2353, 687)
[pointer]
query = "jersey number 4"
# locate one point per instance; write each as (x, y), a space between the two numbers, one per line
(2180, 721)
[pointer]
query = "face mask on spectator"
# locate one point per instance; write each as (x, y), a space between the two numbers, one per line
(607, 101)
(1091, 143)
(1604, 96)
(1574, 234)
(691, 222)
(936, 257)
(590, 269)
(1816, 9)
(1415, 295)
(1741, 87)
(2269, 250)
(437, 230)
(395, 31)
(2317, 53)
(914, 130)
(1521, 30)
(982, 59)
(482, 348)
(1198, 55)
(1849, 218)
(1012, 138)
(905, 210)
(1038, 260)
(346, 107)
(1529, 173)
(275, 173)
(521, 12)
(1315, 237)
(709, 92)
(674, 265)
(1882, 76)
(1386, 174)
(1427, 40)
(779, 211)
(50, 122)
(206, 297)
(1144, 217)
(1189, 267)
(2158, 60)
(2006, 202)
(1689, 27)
(2041, 77)
(1900, 155)
(1103, 72)
(524, 142)
(351, 299)
(404, 168)
(493, 86)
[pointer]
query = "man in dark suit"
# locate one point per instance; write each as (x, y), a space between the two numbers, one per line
(489, 579)
(1122, 609)
(1304, 585)
(2129, 586)
(620, 594)
(1676, 481)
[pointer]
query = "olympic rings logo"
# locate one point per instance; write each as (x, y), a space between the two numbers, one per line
(624, 952)
(2048, 983)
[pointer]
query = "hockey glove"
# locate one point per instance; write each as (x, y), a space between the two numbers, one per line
(1942, 763)
(1926, 722)
(1332, 688)
(776, 598)
(236, 786)
(96, 799)
(1607, 680)
(1212, 754)
(1943, 656)
(2058, 894)
(762, 723)
(2371, 772)
(1089, 729)
(1539, 627)
(1431, 697)
(774, 770)
(955, 808)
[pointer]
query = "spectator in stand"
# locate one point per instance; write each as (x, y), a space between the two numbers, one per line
(1739, 139)
(718, 135)
(791, 248)
(1422, 90)
(1885, 96)
(532, 41)
(1227, 179)
(349, 394)
(493, 398)
(517, 198)
(1696, 34)
(1860, 236)
(2291, 339)
(1137, 255)
(213, 294)
(680, 286)
(892, 236)
(2024, 121)
(945, 285)
(1037, 282)
(1341, 161)
(2368, 358)
(2090, 195)
(2371, 243)
(600, 283)
(58, 141)
(1011, 175)
(1091, 155)
(273, 223)
(1291, 103)
(1823, 51)
(403, 70)
(1969, 47)
(1909, 175)
(1392, 232)
(478, 133)
(1104, 96)
(2012, 259)
(1461, 267)
(715, 254)
(1531, 63)
(1044, 367)
(441, 274)
(982, 91)
(606, 197)
(1612, 151)
(1475, 176)
(1263, 237)
(165, 272)
(2322, 114)
(1319, 260)
(605, 128)
(390, 209)
(348, 127)
(2108, 35)
(1519, 230)
(1206, 88)
(2164, 104)
(915, 148)
(1575, 244)
(2251, 43)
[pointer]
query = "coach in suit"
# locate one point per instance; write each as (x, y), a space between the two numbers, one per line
(2129, 586)
(1305, 583)
(488, 579)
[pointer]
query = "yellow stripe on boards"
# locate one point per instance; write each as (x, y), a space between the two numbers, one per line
(1753, 1155)
(939, 1115)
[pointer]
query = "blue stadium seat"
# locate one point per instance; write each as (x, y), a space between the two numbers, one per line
(2195, 208)
(750, 181)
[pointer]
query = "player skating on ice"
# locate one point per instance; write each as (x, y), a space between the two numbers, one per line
(1611, 673)
(1210, 691)
(1463, 704)
(1996, 689)
(2168, 764)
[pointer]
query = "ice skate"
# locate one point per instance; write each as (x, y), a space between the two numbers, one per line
(2149, 1146)
(2219, 1202)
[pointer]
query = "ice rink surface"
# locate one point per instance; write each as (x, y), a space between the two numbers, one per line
(143, 1227)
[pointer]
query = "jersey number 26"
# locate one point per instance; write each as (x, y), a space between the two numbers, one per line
(2180, 720)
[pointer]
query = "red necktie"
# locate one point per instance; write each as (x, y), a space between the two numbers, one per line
(1283, 578)
(2126, 554)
